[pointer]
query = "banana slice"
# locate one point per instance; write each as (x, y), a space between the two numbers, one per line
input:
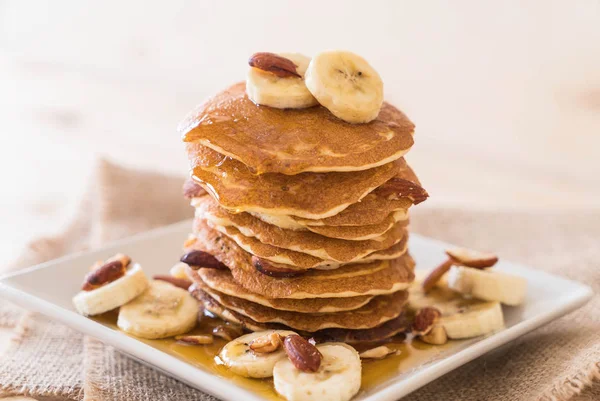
(461, 317)
(162, 311)
(112, 295)
(345, 84)
(269, 89)
(488, 285)
(238, 356)
(338, 377)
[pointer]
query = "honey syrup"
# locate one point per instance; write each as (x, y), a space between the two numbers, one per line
(374, 372)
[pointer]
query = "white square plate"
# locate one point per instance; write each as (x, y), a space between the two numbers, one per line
(49, 287)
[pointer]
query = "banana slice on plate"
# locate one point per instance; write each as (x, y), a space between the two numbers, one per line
(287, 92)
(338, 377)
(241, 360)
(489, 285)
(162, 311)
(113, 294)
(461, 317)
(345, 84)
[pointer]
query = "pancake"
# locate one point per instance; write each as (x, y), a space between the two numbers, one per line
(292, 141)
(292, 259)
(307, 195)
(378, 311)
(223, 282)
(228, 251)
(380, 333)
(208, 208)
(300, 241)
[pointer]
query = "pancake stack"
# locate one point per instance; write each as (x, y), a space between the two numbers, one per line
(301, 218)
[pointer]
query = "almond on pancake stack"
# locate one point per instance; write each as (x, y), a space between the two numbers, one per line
(301, 195)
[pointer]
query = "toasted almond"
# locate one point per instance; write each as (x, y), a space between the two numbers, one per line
(303, 355)
(436, 336)
(202, 259)
(266, 344)
(196, 339)
(275, 64)
(470, 258)
(177, 282)
(378, 353)
(396, 188)
(424, 321)
(267, 268)
(436, 274)
(112, 269)
(228, 331)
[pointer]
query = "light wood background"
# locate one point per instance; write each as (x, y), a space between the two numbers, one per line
(505, 95)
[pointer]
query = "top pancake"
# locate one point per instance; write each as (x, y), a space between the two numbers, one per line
(292, 141)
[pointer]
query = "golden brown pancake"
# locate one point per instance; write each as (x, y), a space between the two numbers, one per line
(291, 141)
(338, 250)
(223, 282)
(307, 195)
(379, 310)
(232, 244)
(208, 208)
(379, 333)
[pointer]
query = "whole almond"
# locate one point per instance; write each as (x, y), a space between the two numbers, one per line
(202, 259)
(436, 274)
(104, 274)
(177, 282)
(269, 269)
(424, 321)
(400, 188)
(275, 64)
(303, 355)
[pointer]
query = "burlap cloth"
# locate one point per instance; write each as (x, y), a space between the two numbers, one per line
(560, 361)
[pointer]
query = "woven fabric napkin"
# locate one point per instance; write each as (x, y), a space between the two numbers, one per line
(560, 361)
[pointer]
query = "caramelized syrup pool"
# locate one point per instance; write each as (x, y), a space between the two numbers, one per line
(374, 372)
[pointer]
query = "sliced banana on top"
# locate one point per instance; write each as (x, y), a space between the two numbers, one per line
(288, 92)
(489, 285)
(238, 356)
(113, 294)
(461, 318)
(345, 84)
(162, 311)
(338, 377)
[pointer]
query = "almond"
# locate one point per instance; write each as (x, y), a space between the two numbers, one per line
(303, 355)
(436, 274)
(424, 321)
(400, 188)
(266, 344)
(378, 353)
(275, 64)
(202, 259)
(108, 272)
(437, 336)
(470, 258)
(269, 269)
(228, 331)
(177, 282)
(196, 339)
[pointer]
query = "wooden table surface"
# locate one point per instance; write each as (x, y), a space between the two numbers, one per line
(505, 95)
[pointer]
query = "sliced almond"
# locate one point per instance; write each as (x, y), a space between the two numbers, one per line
(266, 344)
(378, 353)
(436, 274)
(228, 331)
(436, 336)
(470, 258)
(196, 339)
